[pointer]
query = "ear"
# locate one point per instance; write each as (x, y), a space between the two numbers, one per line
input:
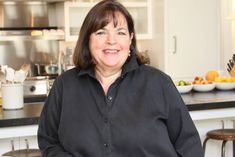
(131, 37)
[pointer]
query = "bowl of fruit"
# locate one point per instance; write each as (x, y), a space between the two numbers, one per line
(184, 86)
(201, 85)
(225, 83)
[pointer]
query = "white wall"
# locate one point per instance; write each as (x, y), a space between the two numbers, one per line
(155, 46)
(227, 34)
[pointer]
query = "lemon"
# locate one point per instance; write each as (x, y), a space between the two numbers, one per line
(233, 79)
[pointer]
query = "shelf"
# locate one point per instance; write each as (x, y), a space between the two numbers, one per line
(14, 38)
(91, 4)
(80, 4)
(75, 12)
(135, 4)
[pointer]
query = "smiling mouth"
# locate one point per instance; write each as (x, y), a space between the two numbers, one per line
(111, 51)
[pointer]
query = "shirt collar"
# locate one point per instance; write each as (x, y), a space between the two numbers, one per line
(130, 65)
(88, 71)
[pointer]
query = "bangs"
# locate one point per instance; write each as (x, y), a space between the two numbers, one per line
(104, 18)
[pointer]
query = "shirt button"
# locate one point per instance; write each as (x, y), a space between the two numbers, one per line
(110, 98)
(106, 120)
(106, 145)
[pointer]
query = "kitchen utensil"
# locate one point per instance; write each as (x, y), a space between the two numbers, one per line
(25, 68)
(32, 70)
(20, 76)
(51, 69)
(40, 69)
(229, 67)
(68, 59)
(60, 62)
(10, 74)
(231, 62)
(2, 76)
(47, 69)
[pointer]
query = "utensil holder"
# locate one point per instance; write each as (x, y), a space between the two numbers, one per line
(12, 96)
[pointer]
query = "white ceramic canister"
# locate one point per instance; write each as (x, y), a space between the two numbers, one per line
(12, 96)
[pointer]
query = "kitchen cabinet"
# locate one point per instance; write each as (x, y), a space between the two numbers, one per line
(75, 12)
(192, 37)
(228, 34)
(7, 144)
(18, 143)
(4, 38)
(18, 136)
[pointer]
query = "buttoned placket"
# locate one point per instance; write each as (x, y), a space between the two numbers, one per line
(110, 99)
(105, 108)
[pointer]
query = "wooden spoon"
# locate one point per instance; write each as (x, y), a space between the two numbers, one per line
(2, 76)
(25, 68)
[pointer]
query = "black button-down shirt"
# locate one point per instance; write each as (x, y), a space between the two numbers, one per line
(142, 115)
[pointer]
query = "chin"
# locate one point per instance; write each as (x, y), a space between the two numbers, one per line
(113, 65)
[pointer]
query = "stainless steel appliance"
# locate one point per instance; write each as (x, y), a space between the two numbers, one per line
(19, 20)
(37, 88)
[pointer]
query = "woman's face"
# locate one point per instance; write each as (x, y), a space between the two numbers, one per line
(110, 45)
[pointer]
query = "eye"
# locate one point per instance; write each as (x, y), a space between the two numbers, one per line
(121, 33)
(100, 32)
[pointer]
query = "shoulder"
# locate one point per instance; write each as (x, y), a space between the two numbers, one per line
(68, 76)
(154, 74)
(69, 73)
(155, 78)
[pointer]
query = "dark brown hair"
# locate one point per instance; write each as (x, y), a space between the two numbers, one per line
(98, 17)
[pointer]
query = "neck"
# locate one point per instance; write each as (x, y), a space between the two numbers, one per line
(107, 72)
(107, 77)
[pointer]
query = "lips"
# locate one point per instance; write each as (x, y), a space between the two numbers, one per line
(111, 51)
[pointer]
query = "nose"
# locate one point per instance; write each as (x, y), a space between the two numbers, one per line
(111, 39)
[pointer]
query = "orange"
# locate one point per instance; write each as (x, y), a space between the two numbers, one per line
(211, 75)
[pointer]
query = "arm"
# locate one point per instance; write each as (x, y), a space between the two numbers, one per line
(181, 129)
(48, 138)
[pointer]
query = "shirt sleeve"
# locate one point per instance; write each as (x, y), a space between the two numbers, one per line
(181, 129)
(48, 138)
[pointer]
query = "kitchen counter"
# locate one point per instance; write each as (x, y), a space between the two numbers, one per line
(29, 115)
(197, 103)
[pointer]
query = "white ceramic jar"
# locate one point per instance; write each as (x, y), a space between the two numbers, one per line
(12, 96)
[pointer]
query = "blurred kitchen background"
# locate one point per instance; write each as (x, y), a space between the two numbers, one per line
(184, 38)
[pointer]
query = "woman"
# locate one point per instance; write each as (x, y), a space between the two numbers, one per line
(111, 104)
